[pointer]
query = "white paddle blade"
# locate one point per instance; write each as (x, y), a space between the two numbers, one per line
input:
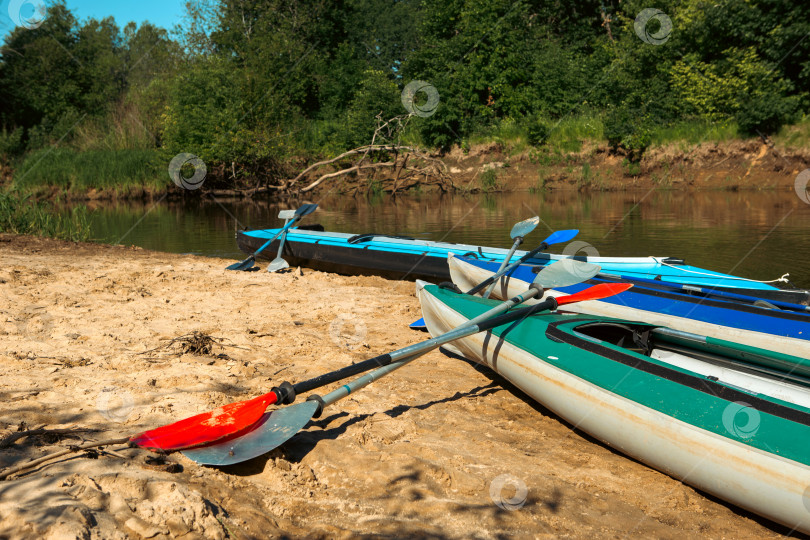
(566, 272)
(524, 227)
(277, 264)
(286, 214)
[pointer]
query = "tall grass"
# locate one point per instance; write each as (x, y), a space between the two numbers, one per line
(795, 136)
(566, 135)
(695, 131)
(569, 133)
(511, 134)
(73, 170)
(20, 214)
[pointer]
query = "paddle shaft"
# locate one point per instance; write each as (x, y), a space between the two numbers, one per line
(283, 238)
(283, 229)
(300, 213)
(462, 331)
(507, 269)
(285, 393)
(553, 276)
(518, 241)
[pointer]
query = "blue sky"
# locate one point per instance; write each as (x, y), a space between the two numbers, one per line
(163, 13)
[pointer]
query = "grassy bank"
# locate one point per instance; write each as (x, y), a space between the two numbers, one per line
(566, 143)
(72, 170)
(20, 214)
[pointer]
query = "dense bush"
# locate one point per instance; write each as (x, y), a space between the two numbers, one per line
(764, 115)
(538, 131)
(627, 129)
(255, 83)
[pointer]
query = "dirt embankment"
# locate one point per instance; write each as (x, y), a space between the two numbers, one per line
(93, 338)
(732, 166)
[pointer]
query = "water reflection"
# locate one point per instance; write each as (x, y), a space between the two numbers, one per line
(756, 234)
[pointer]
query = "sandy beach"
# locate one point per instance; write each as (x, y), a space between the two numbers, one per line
(96, 345)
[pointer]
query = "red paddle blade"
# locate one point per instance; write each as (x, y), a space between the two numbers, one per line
(597, 292)
(203, 429)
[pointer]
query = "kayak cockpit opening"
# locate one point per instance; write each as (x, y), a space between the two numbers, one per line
(634, 338)
(692, 352)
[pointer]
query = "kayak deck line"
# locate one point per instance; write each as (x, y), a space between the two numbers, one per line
(399, 258)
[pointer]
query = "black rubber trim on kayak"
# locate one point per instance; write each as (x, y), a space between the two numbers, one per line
(357, 238)
(319, 400)
(317, 227)
(450, 286)
(703, 385)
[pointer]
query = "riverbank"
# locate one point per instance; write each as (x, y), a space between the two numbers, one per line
(496, 165)
(94, 339)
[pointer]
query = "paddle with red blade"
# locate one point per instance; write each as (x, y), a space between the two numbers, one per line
(235, 419)
(277, 427)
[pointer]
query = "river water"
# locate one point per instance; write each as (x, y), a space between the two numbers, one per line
(756, 234)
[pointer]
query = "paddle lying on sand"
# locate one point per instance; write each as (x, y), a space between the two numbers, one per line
(519, 231)
(556, 237)
(247, 264)
(277, 427)
(234, 419)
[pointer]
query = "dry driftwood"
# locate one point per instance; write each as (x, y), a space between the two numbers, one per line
(14, 436)
(409, 165)
(69, 450)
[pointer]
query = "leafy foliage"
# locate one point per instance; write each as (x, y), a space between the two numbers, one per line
(248, 84)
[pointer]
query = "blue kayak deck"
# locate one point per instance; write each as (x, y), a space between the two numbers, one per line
(404, 258)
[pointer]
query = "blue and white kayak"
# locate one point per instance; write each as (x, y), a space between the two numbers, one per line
(782, 330)
(408, 258)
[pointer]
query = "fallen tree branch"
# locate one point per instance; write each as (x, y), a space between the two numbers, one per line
(13, 437)
(346, 171)
(354, 152)
(399, 156)
(73, 449)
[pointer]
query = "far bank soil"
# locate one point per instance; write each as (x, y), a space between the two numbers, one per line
(91, 339)
(726, 166)
(493, 167)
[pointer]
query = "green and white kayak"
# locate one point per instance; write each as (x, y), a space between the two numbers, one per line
(729, 419)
